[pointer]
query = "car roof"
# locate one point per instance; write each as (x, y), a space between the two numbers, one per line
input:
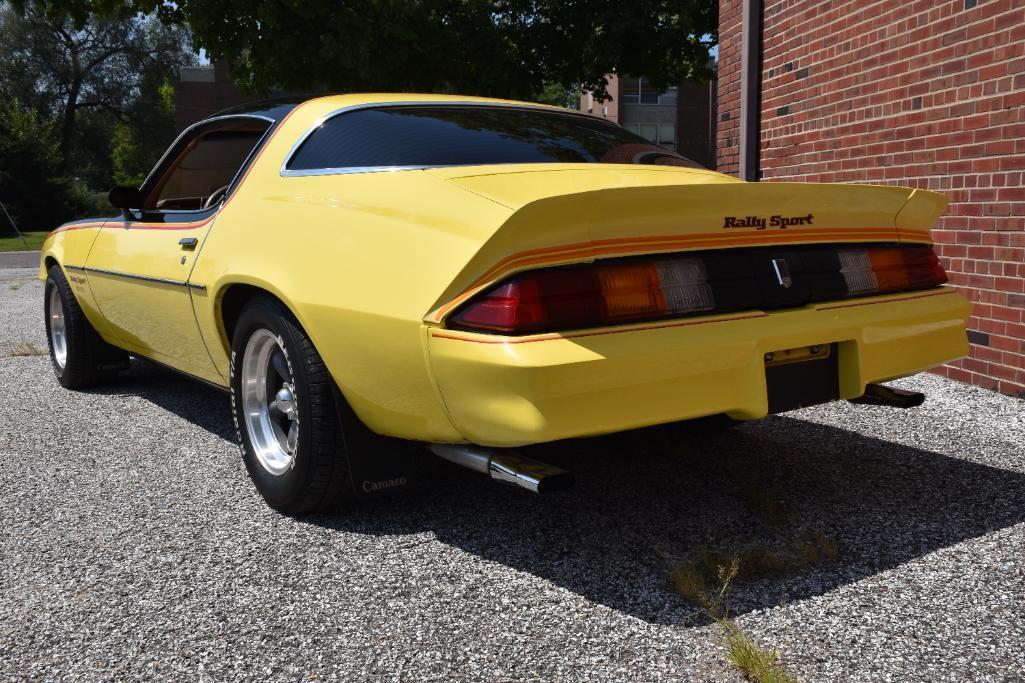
(278, 108)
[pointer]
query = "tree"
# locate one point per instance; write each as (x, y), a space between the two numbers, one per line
(30, 185)
(512, 48)
(86, 74)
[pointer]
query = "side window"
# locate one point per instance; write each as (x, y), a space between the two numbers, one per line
(201, 171)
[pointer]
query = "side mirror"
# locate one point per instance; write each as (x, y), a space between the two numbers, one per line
(125, 198)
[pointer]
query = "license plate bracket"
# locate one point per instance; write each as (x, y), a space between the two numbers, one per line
(802, 377)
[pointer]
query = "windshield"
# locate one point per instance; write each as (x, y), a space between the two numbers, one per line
(447, 135)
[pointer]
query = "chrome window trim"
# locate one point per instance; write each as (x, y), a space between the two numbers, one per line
(285, 172)
(187, 131)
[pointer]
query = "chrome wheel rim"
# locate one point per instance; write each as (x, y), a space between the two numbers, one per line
(269, 402)
(58, 331)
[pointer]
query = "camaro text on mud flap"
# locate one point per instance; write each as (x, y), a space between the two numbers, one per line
(761, 223)
(371, 486)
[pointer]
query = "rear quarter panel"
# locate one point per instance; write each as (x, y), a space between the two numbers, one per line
(359, 278)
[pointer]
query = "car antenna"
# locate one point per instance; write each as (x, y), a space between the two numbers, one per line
(14, 225)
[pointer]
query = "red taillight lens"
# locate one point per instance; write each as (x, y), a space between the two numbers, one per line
(890, 269)
(589, 296)
(631, 290)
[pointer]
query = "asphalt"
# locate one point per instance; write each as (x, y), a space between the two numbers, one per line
(19, 259)
(134, 547)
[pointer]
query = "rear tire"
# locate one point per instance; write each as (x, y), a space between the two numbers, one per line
(286, 419)
(80, 358)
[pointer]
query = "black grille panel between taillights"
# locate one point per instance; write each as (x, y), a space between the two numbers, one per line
(636, 289)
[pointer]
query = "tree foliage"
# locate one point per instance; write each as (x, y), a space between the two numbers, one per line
(63, 69)
(511, 48)
(31, 186)
(86, 84)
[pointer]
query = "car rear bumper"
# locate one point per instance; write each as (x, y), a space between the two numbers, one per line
(512, 391)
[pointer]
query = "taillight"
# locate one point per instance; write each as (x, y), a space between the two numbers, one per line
(632, 290)
(890, 269)
(591, 295)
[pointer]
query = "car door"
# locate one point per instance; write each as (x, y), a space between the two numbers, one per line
(139, 267)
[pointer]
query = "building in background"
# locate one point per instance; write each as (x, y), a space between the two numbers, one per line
(204, 90)
(681, 119)
(927, 94)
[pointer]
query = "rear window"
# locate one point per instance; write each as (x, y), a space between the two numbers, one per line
(471, 135)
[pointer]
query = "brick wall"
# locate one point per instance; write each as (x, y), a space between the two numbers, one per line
(728, 72)
(928, 93)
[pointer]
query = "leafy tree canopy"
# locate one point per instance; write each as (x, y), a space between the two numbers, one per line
(64, 68)
(512, 48)
(31, 186)
(81, 102)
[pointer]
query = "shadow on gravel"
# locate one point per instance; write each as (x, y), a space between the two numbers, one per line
(202, 405)
(644, 500)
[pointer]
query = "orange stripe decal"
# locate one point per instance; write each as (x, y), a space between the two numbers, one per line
(454, 335)
(884, 301)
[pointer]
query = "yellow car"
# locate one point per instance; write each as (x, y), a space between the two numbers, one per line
(369, 272)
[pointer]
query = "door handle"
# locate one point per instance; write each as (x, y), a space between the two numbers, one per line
(188, 243)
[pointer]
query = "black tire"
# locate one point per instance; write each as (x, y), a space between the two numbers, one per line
(88, 360)
(318, 477)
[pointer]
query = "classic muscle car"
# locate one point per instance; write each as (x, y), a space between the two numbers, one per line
(370, 273)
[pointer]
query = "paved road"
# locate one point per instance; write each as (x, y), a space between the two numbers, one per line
(133, 546)
(19, 259)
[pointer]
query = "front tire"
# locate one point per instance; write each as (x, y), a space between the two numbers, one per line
(286, 418)
(80, 358)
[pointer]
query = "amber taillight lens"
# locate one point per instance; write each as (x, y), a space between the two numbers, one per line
(621, 291)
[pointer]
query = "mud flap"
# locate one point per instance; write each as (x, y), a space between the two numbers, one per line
(378, 466)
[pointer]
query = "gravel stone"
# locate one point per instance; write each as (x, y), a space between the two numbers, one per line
(134, 547)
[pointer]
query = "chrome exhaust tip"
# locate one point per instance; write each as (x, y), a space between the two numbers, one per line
(506, 467)
(880, 395)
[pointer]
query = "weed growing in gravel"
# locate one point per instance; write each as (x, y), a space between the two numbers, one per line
(695, 578)
(15, 288)
(27, 349)
(757, 663)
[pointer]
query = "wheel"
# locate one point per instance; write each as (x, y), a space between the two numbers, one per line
(287, 421)
(80, 358)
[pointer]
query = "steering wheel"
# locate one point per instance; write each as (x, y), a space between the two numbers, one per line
(216, 196)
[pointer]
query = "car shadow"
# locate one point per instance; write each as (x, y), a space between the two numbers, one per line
(193, 401)
(647, 500)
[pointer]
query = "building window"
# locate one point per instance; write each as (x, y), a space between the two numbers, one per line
(667, 136)
(659, 134)
(640, 91)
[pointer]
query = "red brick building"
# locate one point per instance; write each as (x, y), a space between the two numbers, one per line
(923, 93)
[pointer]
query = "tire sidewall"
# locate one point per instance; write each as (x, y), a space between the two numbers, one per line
(285, 490)
(55, 280)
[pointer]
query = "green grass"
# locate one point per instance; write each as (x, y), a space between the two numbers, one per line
(14, 243)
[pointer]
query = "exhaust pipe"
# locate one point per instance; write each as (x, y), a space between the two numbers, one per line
(507, 467)
(880, 395)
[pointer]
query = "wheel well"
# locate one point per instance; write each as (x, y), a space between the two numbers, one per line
(232, 303)
(49, 263)
(234, 299)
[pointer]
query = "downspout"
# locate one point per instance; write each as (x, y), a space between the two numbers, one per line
(750, 89)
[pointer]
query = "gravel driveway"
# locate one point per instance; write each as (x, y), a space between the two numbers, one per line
(134, 547)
